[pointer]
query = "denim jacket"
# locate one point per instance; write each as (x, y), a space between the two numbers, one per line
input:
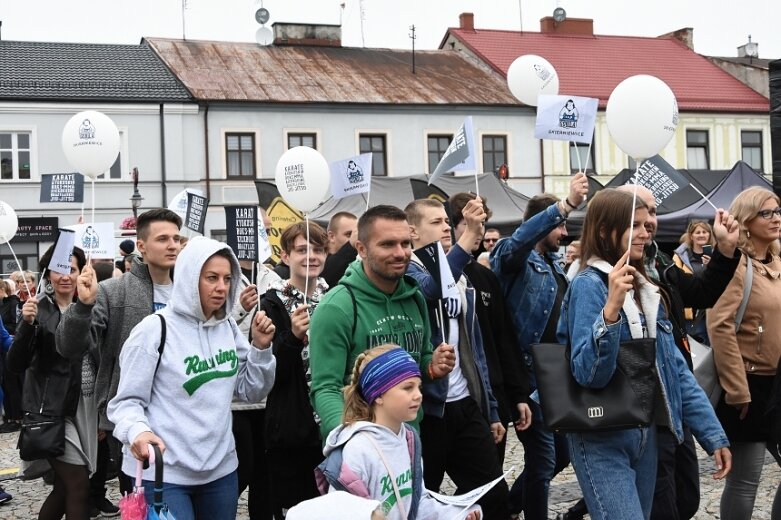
(435, 392)
(527, 282)
(595, 350)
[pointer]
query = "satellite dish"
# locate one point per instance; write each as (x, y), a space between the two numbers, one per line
(559, 14)
(264, 36)
(261, 15)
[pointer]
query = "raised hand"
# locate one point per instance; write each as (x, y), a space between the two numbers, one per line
(619, 282)
(578, 189)
(443, 360)
(726, 231)
(299, 321)
(87, 285)
(262, 331)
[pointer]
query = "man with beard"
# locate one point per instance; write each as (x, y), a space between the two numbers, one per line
(374, 304)
(532, 279)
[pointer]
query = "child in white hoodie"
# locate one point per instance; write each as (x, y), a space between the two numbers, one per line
(178, 394)
(374, 454)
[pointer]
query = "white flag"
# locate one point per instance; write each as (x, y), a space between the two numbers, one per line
(97, 239)
(566, 118)
(63, 250)
(264, 247)
(449, 289)
(460, 155)
(351, 176)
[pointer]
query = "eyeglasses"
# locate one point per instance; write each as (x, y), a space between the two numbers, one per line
(490, 239)
(767, 214)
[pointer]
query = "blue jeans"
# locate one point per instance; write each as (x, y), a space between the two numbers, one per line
(616, 471)
(545, 455)
(217, 499)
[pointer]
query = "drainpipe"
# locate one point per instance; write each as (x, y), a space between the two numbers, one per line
(162, 155)
(206, 148)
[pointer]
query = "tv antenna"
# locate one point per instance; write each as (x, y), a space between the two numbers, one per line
(264, 36)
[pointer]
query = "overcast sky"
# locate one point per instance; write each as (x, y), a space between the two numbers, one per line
(720, 26)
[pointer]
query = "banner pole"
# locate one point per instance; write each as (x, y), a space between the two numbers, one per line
(40, 282)
(306, 278)
(477, 186)
(703, 196)
(634, 203)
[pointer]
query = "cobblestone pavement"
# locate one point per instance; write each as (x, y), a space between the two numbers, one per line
(28, 495)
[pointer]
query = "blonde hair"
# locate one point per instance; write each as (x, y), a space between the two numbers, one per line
(686, 238)
(744, 208)
(355, 406)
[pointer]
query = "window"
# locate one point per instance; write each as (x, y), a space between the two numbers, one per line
(494, 152)
(375, 143)
(751, 148)
(240, 155)
(697, 156)
(580, 151)
(115, 172)
(437, 145)
(15, 155)
(309, 140)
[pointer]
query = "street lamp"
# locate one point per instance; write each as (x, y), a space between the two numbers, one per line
(136, 199)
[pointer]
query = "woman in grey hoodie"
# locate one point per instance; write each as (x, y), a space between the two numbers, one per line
(176, 392)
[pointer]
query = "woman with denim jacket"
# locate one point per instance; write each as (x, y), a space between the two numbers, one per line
(616, 469)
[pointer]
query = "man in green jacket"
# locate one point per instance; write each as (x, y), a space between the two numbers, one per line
(374, 303)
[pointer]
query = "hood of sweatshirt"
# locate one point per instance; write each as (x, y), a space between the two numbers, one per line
(356, 278)
(185, 297)
(385, 438)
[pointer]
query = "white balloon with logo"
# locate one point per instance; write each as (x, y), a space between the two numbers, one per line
(531, 75)
(642, 116)
(303, 178)
(9, 222)
(90, 141)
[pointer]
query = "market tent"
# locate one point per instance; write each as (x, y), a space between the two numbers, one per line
(742, 176)
(675, 217)
(506, 204)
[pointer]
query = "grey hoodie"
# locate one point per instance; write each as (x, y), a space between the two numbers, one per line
(205, 363)
(360, 459)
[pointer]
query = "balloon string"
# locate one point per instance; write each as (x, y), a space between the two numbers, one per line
(40, 282)
(635, 180)
(24, 278)
(92, 219)
(477, 186)
(306, 278)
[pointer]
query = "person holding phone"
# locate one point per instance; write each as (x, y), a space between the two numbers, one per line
(692, 256)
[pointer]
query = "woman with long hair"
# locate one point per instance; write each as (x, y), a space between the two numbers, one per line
(692, 256)
(747, 350)
(609, 302)
(60, 387)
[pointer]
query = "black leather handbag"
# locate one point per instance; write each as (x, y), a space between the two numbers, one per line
(627, 401)
(41, 437)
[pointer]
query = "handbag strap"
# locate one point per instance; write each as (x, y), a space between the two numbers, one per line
(747, 281)
(392, 476)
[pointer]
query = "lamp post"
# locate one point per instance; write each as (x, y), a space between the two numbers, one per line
(136, 199)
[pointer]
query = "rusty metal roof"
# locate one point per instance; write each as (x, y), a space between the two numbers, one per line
(228, 71)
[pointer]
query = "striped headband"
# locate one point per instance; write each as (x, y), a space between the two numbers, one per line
(386, 371)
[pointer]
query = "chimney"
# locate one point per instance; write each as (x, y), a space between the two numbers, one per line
(467, 21)
(685, 35)
(568, 27)
(307, 34)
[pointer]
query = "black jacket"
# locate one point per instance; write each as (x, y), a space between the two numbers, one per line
(289, 415)
(52, 383)
(702, 291)
(8, 312)
(506, 370)
(336, 264)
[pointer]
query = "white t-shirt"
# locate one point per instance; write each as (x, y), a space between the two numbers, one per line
(161, 296)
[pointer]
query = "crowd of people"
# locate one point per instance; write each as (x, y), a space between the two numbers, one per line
(350, 366)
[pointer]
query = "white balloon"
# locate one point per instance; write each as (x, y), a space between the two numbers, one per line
(303, 178)
(531, 75)
(9, 223)
(90, 141)
(642, 115)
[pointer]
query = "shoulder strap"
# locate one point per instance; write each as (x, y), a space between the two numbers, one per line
(162, 342)
(392, 476)
(355, 306)
(747, 281)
